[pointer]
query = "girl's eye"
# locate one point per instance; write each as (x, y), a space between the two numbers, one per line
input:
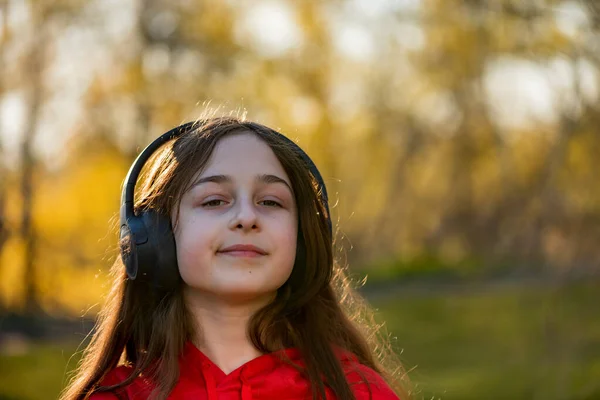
(218, 202)
(271, 203)
(213, 203)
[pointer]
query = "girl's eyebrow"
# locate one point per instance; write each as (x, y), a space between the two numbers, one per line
(263, 178)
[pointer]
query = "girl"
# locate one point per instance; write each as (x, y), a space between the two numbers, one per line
(226, 287)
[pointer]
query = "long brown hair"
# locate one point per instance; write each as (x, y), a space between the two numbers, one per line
(316, 308)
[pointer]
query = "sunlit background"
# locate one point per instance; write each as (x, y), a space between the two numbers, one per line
(459, 140)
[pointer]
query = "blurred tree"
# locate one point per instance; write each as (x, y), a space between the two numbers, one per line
(4, 229)
(403, 106)
(34, 70)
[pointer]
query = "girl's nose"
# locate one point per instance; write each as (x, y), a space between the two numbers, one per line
(245, 216)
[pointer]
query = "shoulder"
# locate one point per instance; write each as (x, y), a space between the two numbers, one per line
(366, 383)
(113, 377)
(104, 396)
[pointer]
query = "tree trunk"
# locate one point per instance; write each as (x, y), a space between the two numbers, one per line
(35, 71)
(3, 224)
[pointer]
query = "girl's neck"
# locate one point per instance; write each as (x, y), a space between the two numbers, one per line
(222, 327)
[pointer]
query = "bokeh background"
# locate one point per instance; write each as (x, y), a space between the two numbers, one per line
(458, 138)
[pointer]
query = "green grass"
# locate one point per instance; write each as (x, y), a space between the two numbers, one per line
(431, 267)
(38, 373)
(520, 343)
(422, 268)
(511, 344)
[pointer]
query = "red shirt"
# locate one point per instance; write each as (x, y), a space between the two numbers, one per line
(263, 378)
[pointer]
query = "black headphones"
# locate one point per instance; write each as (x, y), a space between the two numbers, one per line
(147, 243)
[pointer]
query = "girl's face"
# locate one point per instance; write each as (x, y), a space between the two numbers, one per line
(242, 198)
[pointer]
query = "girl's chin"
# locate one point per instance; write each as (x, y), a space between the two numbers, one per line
(231, 293)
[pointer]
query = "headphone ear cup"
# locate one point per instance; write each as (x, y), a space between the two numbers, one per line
(158, 256)
(300, 252)
(148, 250)
(297, 278)
(299, 268)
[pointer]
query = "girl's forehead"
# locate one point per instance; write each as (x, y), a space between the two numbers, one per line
(242, 150)
(243, 155)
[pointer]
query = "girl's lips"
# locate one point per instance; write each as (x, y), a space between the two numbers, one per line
(244, 250)
(241, 253)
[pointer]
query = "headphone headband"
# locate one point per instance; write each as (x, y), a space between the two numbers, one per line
(128, 192)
